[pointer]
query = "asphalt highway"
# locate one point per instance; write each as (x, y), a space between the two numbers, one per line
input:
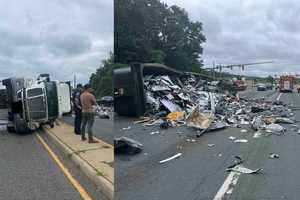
(200, 173)
(28, 172)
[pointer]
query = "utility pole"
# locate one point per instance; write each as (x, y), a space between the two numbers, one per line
(74, 81)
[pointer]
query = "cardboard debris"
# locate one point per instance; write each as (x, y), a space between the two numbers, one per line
(175, 116)
(198, 120)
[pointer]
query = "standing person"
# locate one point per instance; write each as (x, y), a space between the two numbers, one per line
(88, 101)
(77, 109)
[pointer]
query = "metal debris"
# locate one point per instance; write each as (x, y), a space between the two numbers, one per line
(211, 145)
(125, 145)
(232, 138)
(170, 158)
(126, 128)
(240, 141)
(244, 131)
(244, 170)
(274, 155)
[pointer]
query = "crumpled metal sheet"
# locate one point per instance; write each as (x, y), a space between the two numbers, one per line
(125, 145)
(170, 105)
(244, 170)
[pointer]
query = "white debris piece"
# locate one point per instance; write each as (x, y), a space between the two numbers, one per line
(232, 138)
(154, 132)
(240, 141)
(126, 128)
(275, 127)
(211, 145)
(257, 134)
(171, 158)
(274, 155)
(244, 131)
(244, 170)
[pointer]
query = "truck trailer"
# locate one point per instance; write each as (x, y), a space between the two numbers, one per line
(32, 103)
(286, 83)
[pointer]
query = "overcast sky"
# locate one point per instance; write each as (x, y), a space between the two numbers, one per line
(242, 31)
(60, 37)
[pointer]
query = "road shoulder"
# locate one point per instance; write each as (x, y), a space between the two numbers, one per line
(95, 160)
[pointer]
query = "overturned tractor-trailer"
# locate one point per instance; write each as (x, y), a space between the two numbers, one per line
(32, 103)
(130, 95)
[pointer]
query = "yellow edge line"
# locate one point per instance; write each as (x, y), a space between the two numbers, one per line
(73, 181)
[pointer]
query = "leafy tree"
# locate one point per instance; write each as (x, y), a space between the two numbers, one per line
(101, 81)
(270, 79)
(150, 31)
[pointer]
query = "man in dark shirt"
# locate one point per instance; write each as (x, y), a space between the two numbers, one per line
(77, 109)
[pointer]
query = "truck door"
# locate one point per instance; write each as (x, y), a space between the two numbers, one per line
(64, 98)
(36, 104)
(286, 85)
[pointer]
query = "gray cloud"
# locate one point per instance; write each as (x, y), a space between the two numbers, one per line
(59, 37)
(249, 31)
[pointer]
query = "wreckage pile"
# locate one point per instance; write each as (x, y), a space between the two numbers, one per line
(175, 102)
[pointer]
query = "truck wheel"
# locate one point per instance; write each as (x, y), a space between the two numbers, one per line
(20, 124)
(10, 129)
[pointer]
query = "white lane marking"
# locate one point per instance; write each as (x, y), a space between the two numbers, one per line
(228, 185)
(279, 96)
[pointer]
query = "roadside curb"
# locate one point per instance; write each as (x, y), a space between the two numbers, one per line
(105, 186)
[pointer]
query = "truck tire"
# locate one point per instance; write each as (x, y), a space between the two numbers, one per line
(10, 129)
(20, 125)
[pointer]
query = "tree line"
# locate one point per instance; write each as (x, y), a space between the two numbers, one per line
(151, 31)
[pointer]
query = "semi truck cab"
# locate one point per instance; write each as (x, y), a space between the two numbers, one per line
(34, 103)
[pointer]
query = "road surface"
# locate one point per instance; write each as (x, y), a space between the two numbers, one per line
(28, 172)
(200, 173)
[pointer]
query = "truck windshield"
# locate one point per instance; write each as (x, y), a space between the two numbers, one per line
(35, 92)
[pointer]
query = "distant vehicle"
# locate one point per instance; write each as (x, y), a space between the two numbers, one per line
(269, 86)
(106, 101)
(240, 84)
(286, 83)
(33, 103)
(261, 87)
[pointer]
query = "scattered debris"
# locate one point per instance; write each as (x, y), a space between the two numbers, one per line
(154, 132)
(274, 128)
(125, 145)
(170, 158)
(198, 120)
(257, 134)
(238, 160)
(240, 141)
(175, 116)
(126, 128)
(199, 104)
(211, 145)
(232, 138)
(244, 170)
(190, 140)
(274, 155)
(244, 131)
(284, 120)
